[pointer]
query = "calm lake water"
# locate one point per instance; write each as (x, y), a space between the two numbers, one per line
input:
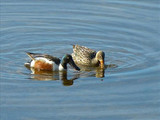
(128, 31)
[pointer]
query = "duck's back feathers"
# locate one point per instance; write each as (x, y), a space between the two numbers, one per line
(82, 54)
(33, 56)
(83, 51)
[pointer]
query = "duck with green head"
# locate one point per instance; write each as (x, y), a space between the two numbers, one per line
(50, 63)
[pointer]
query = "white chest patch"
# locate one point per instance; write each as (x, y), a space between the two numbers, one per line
(61, 68)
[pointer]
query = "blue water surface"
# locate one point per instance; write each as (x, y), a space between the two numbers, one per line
(127, 31)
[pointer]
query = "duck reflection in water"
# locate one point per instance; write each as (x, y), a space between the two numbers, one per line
(92, 71)
(62, 75)
(98, 72)
(43, 75)
(65, 80)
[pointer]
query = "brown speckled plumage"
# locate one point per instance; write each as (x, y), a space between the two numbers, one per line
(85, 56)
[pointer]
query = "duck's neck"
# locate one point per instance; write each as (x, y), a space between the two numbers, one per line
(95, 61)
(63, 66)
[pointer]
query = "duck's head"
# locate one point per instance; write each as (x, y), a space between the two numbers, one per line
(68, 59)
(100, 57)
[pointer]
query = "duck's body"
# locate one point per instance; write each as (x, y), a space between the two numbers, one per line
(88, 57)
(50, 63)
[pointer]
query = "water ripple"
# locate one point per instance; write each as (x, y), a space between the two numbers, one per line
(127, 31)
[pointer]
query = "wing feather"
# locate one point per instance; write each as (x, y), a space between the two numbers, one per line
(82, 54)
(33, 56)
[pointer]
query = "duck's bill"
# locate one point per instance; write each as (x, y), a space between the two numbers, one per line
(102, 63)
(72, 63)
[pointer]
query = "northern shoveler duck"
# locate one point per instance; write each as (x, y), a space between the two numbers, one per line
(88, 57)
(50, 63)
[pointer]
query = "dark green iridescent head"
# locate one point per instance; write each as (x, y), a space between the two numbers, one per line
(68, 59)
